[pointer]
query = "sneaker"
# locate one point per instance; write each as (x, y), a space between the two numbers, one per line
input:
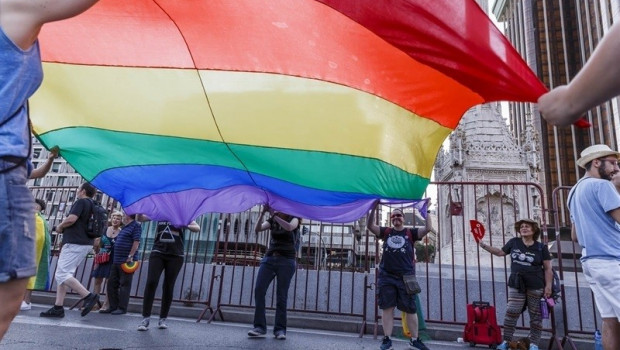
(417, 344)
(118, 312)
(54, 311)
(280, 335)
(144, 326)
(386, 343)
(257, 332)
(502, 346)
(162, 324)
(25, 306)
(89, 302)
(533, 347)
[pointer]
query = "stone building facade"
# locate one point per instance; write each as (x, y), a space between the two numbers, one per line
(482, 150)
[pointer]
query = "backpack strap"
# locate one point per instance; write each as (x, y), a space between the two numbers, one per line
(571, 194)
(387, 232)
(409, 235)
(92, 206)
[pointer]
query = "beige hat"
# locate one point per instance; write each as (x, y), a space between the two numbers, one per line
(593, 152)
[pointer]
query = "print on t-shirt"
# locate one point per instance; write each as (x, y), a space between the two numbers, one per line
(396, 244)
(525, 258)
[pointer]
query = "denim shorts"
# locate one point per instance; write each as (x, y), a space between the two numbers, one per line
(17, 229)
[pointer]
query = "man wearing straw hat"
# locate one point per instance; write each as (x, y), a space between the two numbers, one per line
(594, 206)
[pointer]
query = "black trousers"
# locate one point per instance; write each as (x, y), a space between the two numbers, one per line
(119, 287)
(170, 265)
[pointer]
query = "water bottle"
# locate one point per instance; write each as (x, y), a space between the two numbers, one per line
(598, 340)
(544, 310)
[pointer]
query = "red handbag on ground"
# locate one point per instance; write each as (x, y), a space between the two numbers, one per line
(482, 327)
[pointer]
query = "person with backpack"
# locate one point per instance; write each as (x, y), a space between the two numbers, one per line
(531, 278)
(397, 263)
(166, 257)
(279, 262)
(76, 245)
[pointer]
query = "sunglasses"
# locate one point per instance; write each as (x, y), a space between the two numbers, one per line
(396, 216)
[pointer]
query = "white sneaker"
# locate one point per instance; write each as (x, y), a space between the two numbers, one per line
(144, 326)
(25, 306)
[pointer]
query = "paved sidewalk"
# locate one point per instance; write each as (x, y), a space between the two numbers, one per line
(104, 331)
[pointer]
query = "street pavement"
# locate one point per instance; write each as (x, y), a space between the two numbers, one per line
(99, 331)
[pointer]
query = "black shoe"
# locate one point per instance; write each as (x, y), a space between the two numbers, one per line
(54, 312)
(89, 302)
(106, 311)
(118, 312)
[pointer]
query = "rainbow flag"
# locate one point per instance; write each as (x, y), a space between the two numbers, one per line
(317, 108)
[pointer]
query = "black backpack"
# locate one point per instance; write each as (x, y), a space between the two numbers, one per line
(98, 221)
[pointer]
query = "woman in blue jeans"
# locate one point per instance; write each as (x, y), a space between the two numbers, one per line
(279, 262)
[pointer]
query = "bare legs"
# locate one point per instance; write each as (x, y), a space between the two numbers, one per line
(11, 294)
(611, 333)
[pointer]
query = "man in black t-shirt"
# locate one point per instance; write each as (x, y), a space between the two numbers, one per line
(75, 246)
(397, 260)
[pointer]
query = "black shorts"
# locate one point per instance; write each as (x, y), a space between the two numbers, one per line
(391, 292)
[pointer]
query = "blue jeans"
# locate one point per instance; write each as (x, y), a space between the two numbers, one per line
(283, 270)
(17, 229)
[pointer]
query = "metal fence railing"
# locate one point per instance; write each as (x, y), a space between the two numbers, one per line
(336, 265)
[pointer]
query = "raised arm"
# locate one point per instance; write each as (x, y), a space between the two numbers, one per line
(493, 250)
(370, 223)
(260, 224)
(428, 227)
(22, 20)
(289, 226)
(193, 227)
(45, 168)
(597, 82)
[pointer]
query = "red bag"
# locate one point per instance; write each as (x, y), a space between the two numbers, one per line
(481, 327)
(102, 258)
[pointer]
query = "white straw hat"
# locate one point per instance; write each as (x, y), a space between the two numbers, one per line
(593, 152)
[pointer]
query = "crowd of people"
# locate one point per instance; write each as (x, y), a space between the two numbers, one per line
(594, 205)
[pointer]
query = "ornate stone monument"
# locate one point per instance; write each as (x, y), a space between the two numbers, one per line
(482, 150)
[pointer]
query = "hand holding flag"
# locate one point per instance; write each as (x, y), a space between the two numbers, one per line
(477, 230)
